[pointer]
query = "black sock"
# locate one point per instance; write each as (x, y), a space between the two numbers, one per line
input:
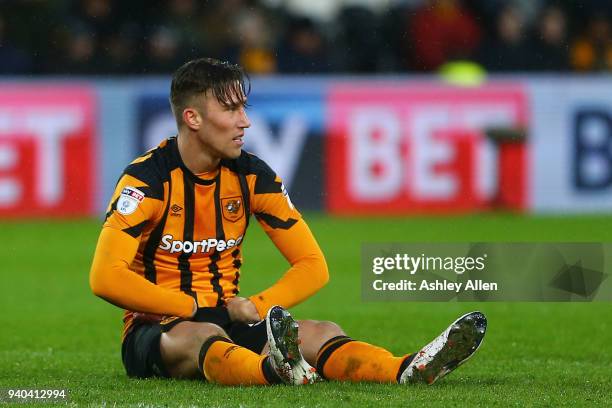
(405, 364)
(269, 372)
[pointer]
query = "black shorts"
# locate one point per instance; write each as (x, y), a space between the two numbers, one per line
(141, 353)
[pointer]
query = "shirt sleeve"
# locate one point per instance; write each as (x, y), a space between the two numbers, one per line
(133, 206)
(290, 234)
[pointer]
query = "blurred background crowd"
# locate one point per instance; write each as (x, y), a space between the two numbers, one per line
(136, 37)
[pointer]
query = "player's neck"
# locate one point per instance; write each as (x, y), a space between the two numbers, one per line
(195, 157)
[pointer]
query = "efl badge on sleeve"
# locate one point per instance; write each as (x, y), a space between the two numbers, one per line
(129, 199)
(233, 208)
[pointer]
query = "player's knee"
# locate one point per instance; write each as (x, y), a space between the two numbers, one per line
(204, 331)
(322, 330)
(184, 341)
(329, 329)
(314, 334)
(180, 347)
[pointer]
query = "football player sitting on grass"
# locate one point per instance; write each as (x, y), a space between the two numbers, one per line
(170, 253)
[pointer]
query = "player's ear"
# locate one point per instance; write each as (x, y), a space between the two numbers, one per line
(192, 118)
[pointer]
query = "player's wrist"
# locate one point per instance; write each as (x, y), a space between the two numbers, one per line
(260, 306)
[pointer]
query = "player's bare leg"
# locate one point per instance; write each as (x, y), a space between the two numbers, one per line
(196, 349)
(180, 347)
(203, 350)
(313, 334)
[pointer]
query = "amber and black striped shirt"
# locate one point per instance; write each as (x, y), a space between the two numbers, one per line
(187, 232)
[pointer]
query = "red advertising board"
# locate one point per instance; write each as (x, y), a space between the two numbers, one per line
(421, 148)
(47, 151)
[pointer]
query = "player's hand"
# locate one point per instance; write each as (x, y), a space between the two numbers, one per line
(242, 310)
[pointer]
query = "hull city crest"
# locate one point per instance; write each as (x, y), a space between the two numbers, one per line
(233, 208)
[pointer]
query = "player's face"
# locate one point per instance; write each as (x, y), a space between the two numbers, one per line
(223, 127)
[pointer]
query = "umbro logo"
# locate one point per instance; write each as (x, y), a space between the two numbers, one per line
(176, 210)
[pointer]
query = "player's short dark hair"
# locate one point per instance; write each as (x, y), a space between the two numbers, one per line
(226, 81)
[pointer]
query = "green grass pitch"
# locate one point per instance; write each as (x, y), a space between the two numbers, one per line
(56, 334)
